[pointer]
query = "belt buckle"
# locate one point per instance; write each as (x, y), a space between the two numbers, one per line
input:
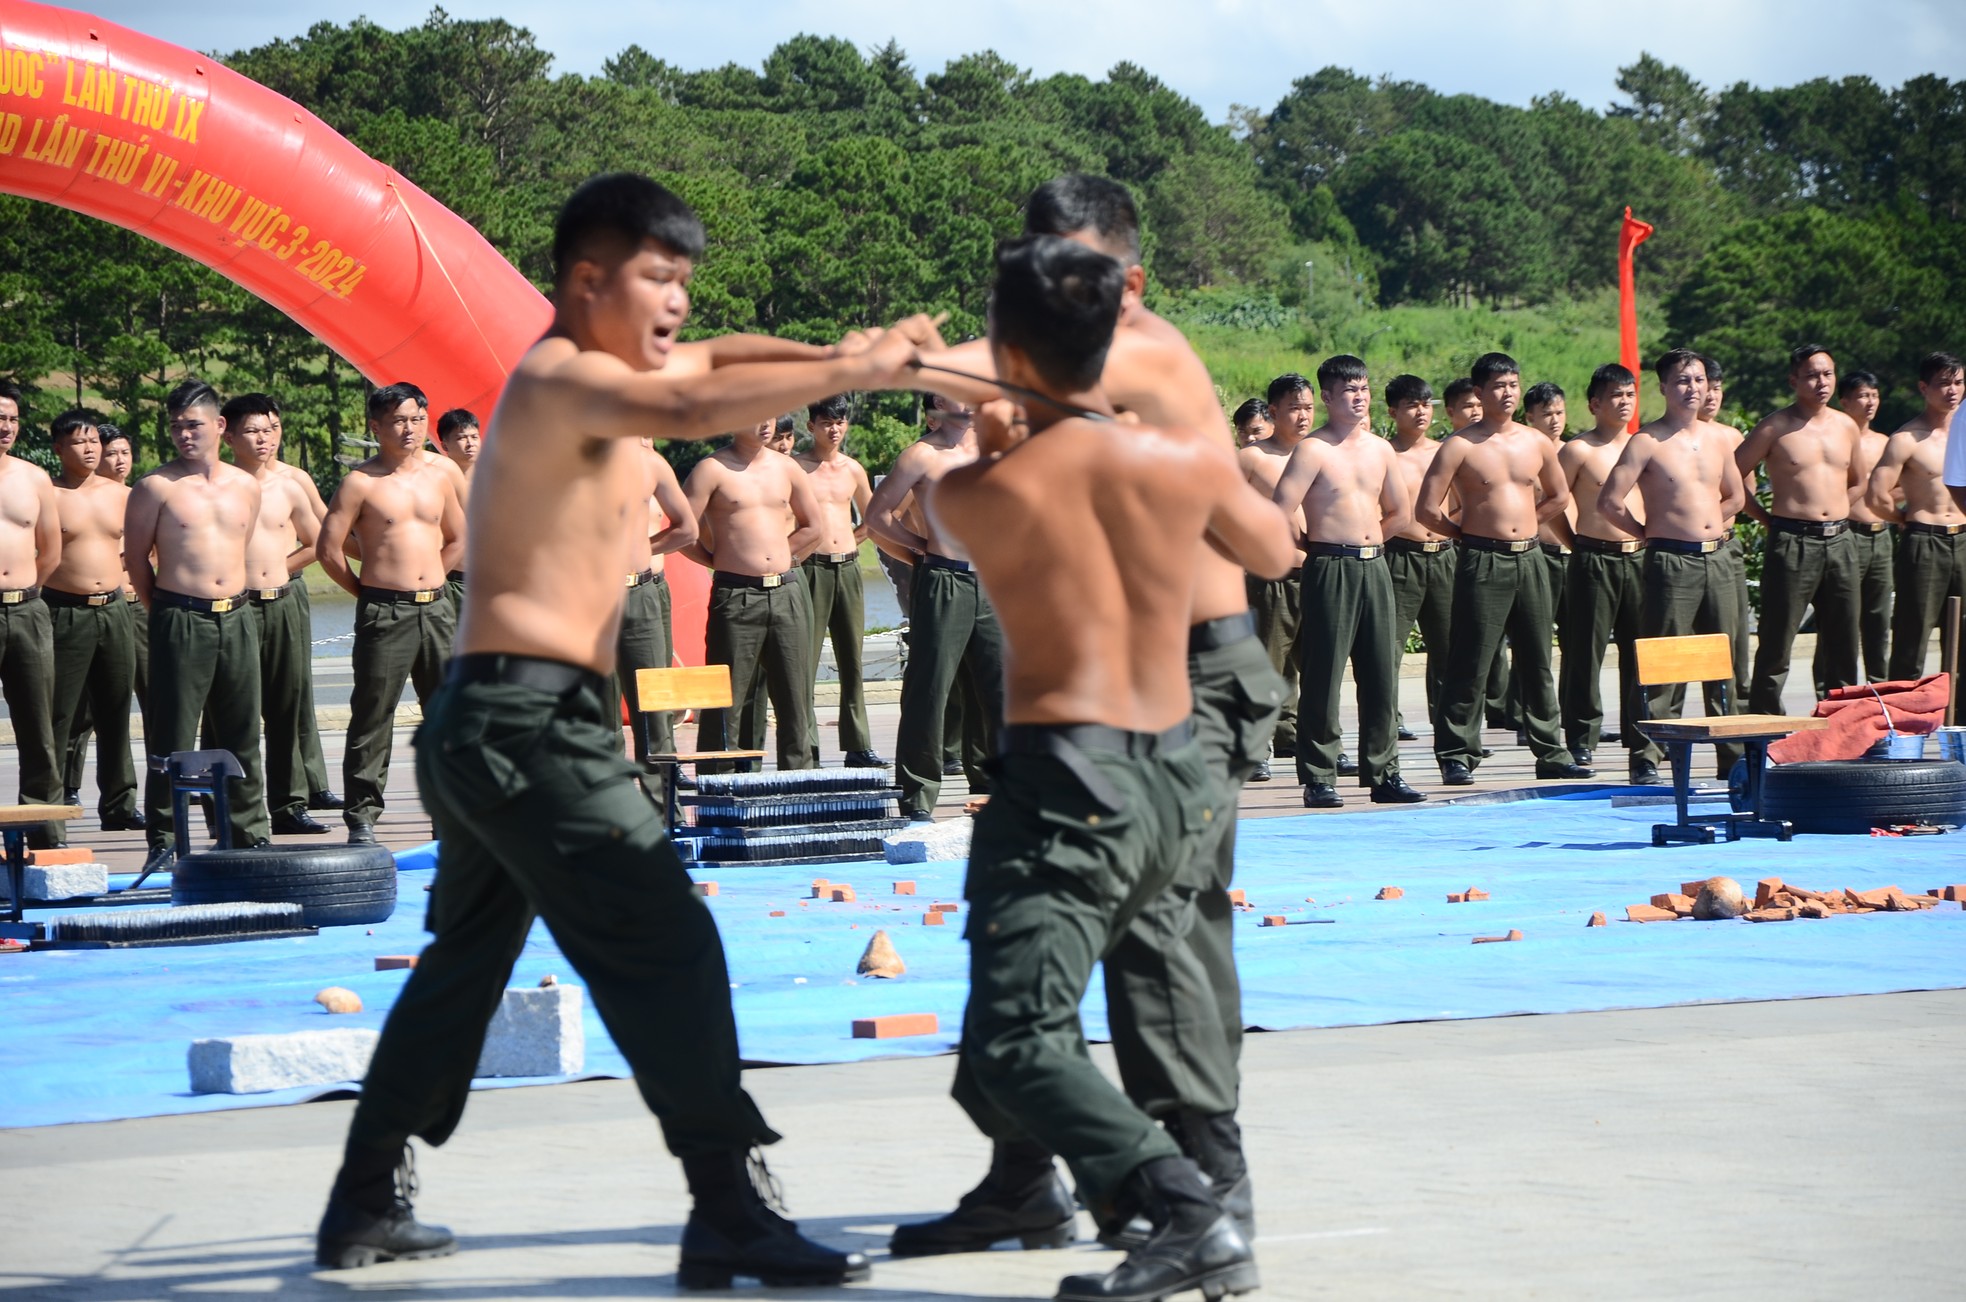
(770, 580)
(1369, 551)
(631, 581)
(13, 598)
(99, 598)
(1709, 545)
(222, 604)
(425, 596)
(1521, 546)
(269, 594)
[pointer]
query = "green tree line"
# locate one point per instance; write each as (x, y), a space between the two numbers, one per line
(840, 186)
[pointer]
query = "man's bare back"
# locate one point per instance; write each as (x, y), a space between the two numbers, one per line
(91, 514)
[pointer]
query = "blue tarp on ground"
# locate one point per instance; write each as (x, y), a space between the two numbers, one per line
(92, 1035)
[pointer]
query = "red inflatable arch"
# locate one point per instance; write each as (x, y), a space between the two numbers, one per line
(167, 143)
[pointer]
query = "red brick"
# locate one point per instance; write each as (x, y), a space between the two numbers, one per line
(65, 854)
(1649, 913)
(776, 913)
(706, 888)
(1476, 893)
(394, 962)
(1770, 915)
(1498, 940)
(1880, 897)
(932, 919)
(1680, 904)
(894, 1026)
(1765, 891)
(1597, 920)
(1458, 897)
(944, 908)
(843, 895)
(904, 888)
(1953, 893)
(1236, 896)
(1692, 889)
(1275, 920)
(1390, 893)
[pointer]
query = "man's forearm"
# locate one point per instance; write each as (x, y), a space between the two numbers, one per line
(735, 350)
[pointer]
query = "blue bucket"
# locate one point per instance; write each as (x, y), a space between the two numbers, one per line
(1898, 746)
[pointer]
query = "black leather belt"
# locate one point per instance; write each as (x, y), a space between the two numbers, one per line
(56, 597)
(1807, 528)
(1511, 546)
(264, 596)
(1353, 551)
(554, 677)
(1610, 546)
(1555, 549)
(1685, 546)
(1415, 547)
(203, 605)
(724, 579)
(646, 576)
(455, 576)
(1227, 630)
(416, 596)
(834, 558)
(935, 562)
(1871, 527)
(1936, 530)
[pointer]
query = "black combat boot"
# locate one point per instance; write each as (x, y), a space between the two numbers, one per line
(1021, 1198)
(370, 1217)
(1214, 1141)
(735, 1229)
(1195, 1244)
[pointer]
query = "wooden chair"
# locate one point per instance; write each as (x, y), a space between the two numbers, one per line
(692, 687)
(1708, 658)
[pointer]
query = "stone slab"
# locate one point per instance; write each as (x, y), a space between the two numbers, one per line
(536, 1032)
(254, 1064)
(931, 842)
(60, 881)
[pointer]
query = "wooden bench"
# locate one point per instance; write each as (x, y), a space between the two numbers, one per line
(16, 821)
(1709, 658)
(692, 687)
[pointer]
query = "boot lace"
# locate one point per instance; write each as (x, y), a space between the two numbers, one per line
(763, 1182)
(406, 1184)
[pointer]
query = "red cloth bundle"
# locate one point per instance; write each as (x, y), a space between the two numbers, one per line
(1858, 719)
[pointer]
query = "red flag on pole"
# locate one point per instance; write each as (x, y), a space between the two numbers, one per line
(1633, 234)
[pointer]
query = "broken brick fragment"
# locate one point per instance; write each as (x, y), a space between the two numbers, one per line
(1597, 920)
(1275, 920)
(1649, 913)
(1390, 893)
(894, 1026)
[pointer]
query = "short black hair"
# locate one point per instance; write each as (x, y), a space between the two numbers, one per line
(1251, 409)
(452, 421)
(1936, 366)
(1057, 301)
(391, 396)
(73, 419)
(1287, 385)
(623, 209)
(1672, 359)
(1851, 381)
(247, 404)
(1611, 375)
(1491, 366)
(1457, 388)
(784, 425)
(192, 393)
(1340, 370)
(1542, 394)
(1716, 373)
(1799, 357)
(837, 407)
(110, 433)
(8, 389)
(1079, 201)
(1402, 389)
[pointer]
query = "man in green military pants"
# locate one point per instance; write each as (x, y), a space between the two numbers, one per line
(194, 513)
(1932, 552)
(953, 632)
(406, 514)
(30, 547)
(832, 571)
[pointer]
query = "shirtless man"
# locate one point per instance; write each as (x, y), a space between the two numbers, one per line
(281, 546)
(1420, 561)
(1814, 474)
(1252, 422)
(1343, 482)
(408, 524)
(1506, 478)
(460, 437)
(1460, 403)
(195, 513)
(519, 758)
(115, 465)
(659, 522)
(1932, 557)
(30, 549)
(1857, 393)
(1733, 562)
(1278, 604)
(94, 636)
(1544, 408)
(1604, 577)
(952, 630)
(1099, 740)
(756, 520)
(832, 572)
(313, 765)
(1690, 490)
(1170, 1001)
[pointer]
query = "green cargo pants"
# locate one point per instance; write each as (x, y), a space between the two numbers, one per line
(76, 762)
(1174, 1005)
(1931, 567)
(1066, 855)
(1683, 593)
(1601, 607)
(286, 698)
(313, 764)
(1348, 612)
(95, 664)
(645, 642)
(398, 640)
(761, 633)
(1876, 552)
(1497, 593)
(1423, 596)
(539, 814)
(839, 612)
(1798, 571)
(952, 632)
(204, 662)
(1277, 605)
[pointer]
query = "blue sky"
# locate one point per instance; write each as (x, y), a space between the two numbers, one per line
(1217, 52)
